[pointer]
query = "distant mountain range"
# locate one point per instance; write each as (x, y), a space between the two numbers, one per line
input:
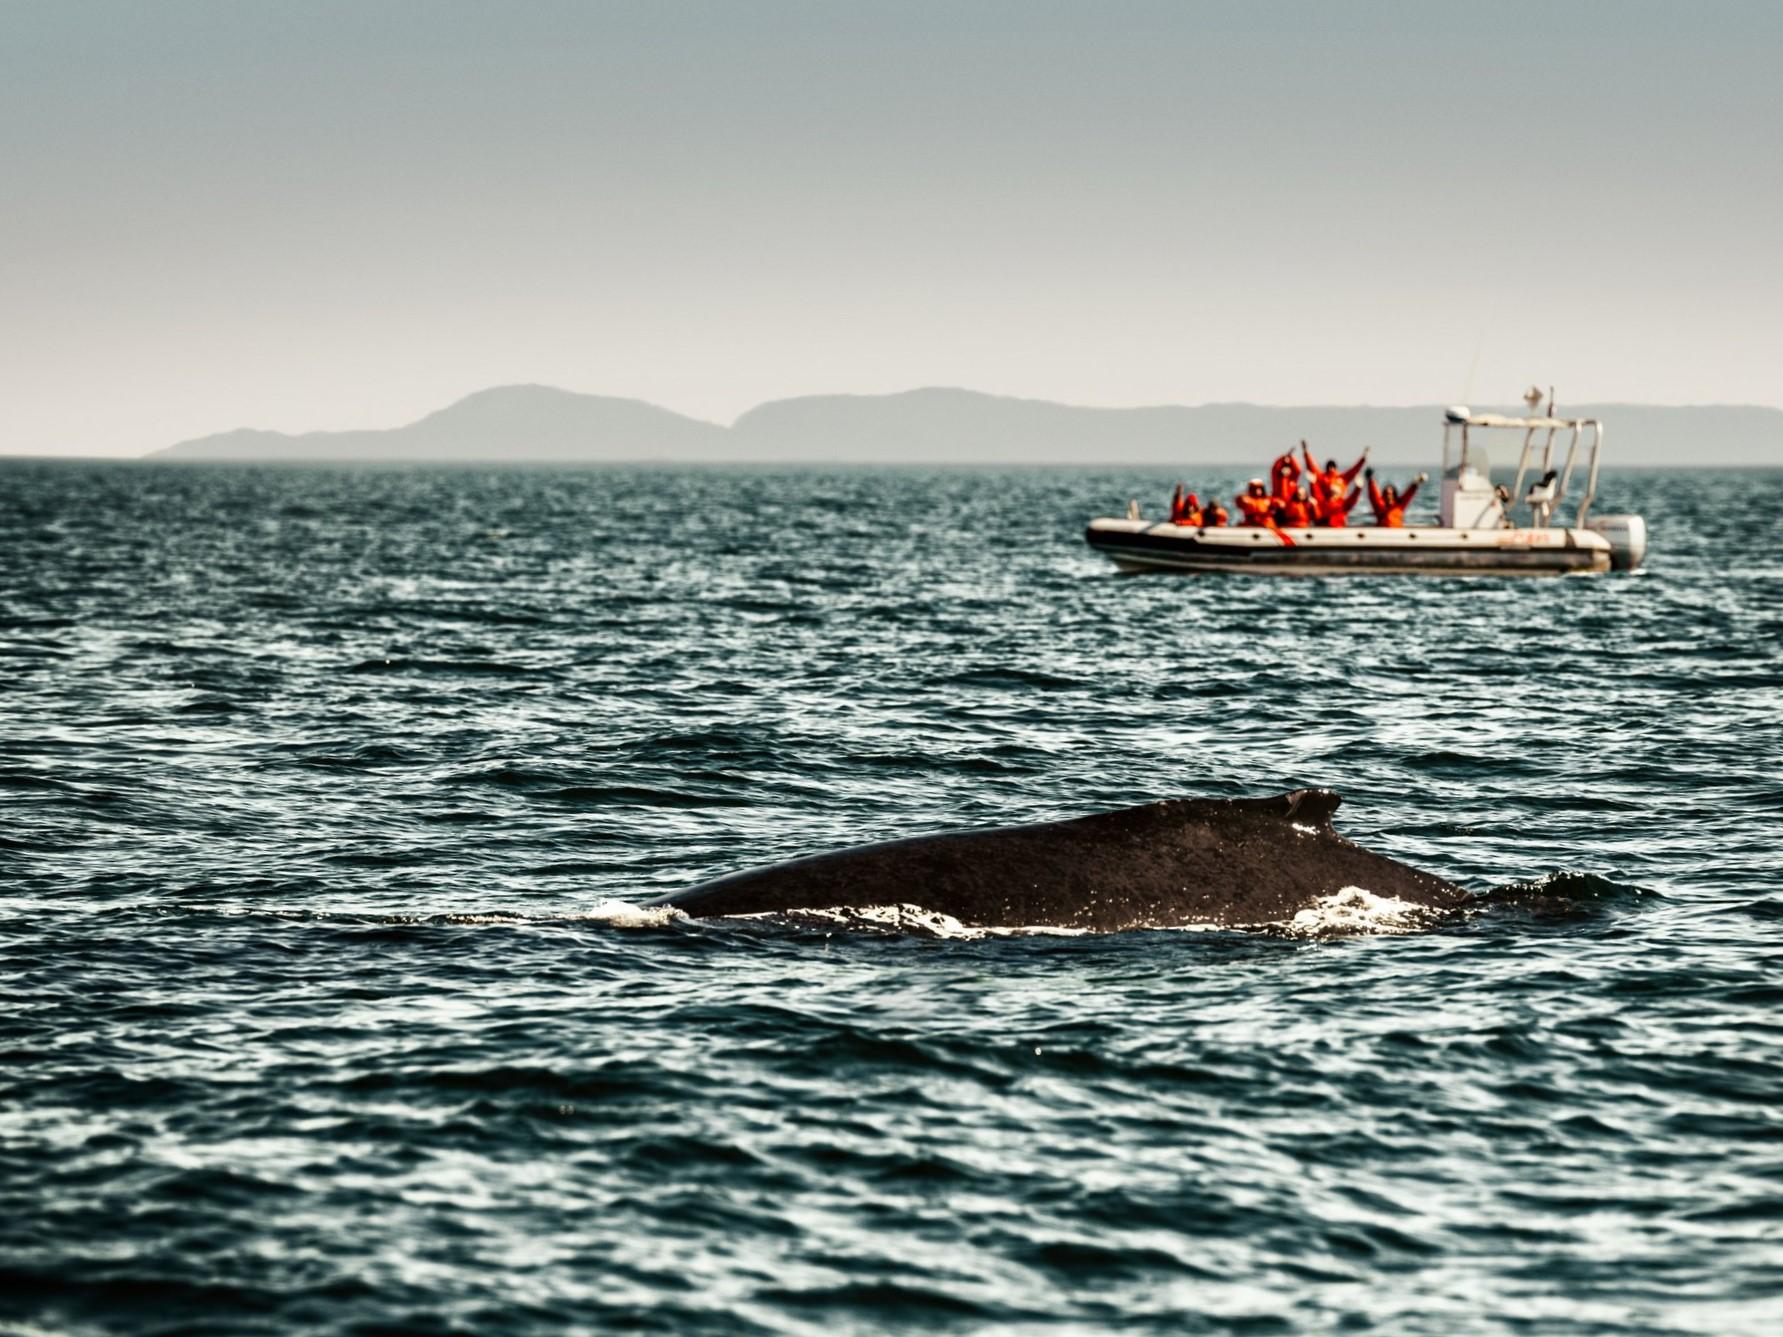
(535, 424)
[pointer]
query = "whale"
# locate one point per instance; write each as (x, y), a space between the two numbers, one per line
(1171, 864)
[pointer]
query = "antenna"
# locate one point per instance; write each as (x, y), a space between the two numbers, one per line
(1480, 344)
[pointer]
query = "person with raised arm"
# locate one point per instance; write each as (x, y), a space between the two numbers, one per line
(1284, 473)
(1389, 503)
(1335, 482)
(1332, 510)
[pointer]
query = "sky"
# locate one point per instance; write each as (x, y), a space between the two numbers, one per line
(348, 213)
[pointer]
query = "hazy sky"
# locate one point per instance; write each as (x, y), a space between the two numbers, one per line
(303, 215)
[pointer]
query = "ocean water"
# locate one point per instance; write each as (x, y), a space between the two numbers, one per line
(326, 1004)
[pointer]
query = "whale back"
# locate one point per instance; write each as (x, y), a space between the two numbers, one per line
(1179, 861)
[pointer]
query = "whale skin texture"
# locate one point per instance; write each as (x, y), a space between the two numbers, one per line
(1179, 862)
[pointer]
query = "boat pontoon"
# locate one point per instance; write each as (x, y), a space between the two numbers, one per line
(1477, 530)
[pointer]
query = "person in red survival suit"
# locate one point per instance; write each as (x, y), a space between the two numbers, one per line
(1283, 474)
(1191, 511)
(1332, 481)
(1176, 505)
(1214, 515)
(1333, 511)
(1255, 504)
(1389, 503)
(1314, 480)
(1295, 511)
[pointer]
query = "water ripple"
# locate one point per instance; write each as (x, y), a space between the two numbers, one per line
(327, 1002)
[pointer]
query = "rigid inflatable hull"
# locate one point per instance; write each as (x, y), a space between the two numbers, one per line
(1136, 546)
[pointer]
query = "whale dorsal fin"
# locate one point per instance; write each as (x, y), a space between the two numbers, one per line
(1311, 807)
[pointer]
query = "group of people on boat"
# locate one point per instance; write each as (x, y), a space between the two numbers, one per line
(1301, 498)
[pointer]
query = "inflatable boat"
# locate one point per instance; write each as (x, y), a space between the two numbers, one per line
(1481, 529)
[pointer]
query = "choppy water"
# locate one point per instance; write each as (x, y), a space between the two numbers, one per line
(322, 1007)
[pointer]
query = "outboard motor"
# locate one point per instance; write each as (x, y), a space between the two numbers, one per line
(1628, 539)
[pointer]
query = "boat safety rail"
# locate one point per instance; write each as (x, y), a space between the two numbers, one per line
(1593, 447)
(1523, 459)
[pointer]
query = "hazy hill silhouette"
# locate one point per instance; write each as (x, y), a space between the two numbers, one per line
(511, 424)
(535, 424)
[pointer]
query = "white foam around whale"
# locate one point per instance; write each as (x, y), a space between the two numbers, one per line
(1349, 912)
(907, 918)
(629, 914)
(613, 913)
(1356, 911)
